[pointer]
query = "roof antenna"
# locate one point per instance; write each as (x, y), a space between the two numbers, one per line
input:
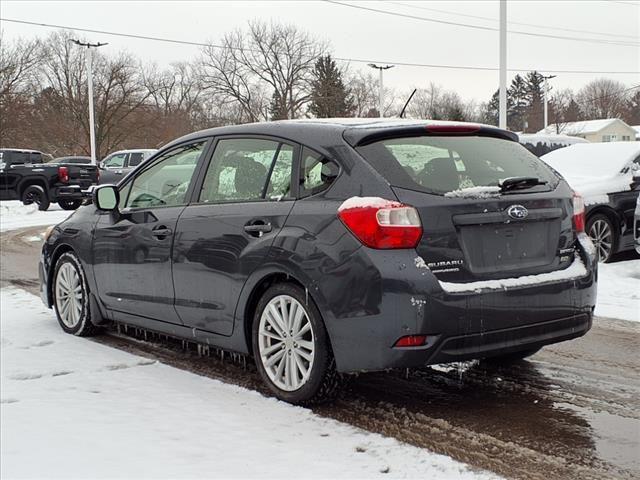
(407, 104)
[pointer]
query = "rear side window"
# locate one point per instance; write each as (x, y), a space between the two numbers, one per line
(317, 173)
(248, 169)
(135, 158)
(446, 164)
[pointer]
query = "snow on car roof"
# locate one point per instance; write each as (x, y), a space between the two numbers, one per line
(592, 160)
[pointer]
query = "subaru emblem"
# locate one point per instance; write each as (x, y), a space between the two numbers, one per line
(517, 212)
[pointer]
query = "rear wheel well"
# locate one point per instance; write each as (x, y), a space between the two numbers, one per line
(255, 296)
(28, 183)
(611, 214)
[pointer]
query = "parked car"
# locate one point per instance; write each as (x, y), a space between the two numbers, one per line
(116, 166)
(72, 159)
(329, 247)
(603, 173)
(24, 176)
(540, 144)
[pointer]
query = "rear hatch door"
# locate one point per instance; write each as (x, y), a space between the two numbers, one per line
(478, 222)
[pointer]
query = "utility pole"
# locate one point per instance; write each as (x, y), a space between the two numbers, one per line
(381, 68)
(92, 125)
(546, 98)
(502, 123)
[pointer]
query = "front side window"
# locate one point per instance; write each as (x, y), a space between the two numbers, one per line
(316, 173)
(166, 183)
(115, 161)
(446, 164)
(248, 169)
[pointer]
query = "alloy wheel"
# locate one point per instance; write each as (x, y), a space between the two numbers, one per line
(286, 343)
(69, 295)
(602, 237)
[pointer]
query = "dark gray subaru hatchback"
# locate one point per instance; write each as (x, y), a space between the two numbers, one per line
(328, 247)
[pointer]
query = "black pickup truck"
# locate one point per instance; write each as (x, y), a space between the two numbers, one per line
(25, 176)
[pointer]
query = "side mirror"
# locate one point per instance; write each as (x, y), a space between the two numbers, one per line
(106, 198)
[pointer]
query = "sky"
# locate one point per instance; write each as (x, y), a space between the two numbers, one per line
(359, 33)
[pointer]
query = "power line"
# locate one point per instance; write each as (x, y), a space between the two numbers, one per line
(546, 27)
(480, 27)
(343, 59)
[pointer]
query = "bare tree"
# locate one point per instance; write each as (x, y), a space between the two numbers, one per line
(602, 98)
(268, 61)
(18, 72)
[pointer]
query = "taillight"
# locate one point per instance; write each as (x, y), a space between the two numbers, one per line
(411, 341)
(380, 223)
(63, 174)
(97, 175)
(578, 213)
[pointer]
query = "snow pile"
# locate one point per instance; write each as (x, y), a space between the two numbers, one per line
(73, 408)
(575, 270)
(474, 192)
(619, 290)
(14, 215)
(365, 202)
(595, 169)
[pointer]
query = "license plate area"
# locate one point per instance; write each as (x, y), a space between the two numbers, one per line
(493, 248)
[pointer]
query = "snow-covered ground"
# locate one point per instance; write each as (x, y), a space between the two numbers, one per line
(72, 408)
(13, 215)
(619, 290)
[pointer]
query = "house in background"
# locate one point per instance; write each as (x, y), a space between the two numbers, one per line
(637, 129)
(606, 130)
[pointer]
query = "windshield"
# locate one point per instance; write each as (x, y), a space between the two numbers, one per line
(448, 164)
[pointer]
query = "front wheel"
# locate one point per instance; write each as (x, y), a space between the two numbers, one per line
(71, 296)
(291, 347)
(69, 204)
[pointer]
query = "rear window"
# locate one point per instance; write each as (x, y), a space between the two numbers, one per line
(446, 164)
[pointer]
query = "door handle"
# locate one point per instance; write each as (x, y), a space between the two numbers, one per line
(161, 232)
(257, 229)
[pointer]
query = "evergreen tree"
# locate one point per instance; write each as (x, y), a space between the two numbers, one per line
(277, 109)
(329, 96)
(517, 104)
(572, 113)
(534, 84)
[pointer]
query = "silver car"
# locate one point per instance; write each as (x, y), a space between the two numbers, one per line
(117, 165)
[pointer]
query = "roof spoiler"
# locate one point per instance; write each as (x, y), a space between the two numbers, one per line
(360, 136)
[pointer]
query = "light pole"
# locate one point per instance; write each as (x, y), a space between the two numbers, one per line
(546, 98)
(502, 117)
(92, 125)
(381, 68)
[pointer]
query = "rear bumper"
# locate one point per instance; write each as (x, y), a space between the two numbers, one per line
(71, 192)
(459, 326)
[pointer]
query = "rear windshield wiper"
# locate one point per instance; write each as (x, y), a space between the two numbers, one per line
(515, 183)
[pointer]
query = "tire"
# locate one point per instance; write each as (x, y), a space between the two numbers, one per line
(75, 319)
(512, 357)
(602, 232)
(69, 204)
(320, 382)
(36, 194)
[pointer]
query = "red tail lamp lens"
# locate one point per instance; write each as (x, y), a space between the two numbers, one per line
(578, 213)
(411, 341)
(381, 224)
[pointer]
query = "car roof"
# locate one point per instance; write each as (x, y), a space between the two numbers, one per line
(19, 150)
(307, 130)
(134, 150)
